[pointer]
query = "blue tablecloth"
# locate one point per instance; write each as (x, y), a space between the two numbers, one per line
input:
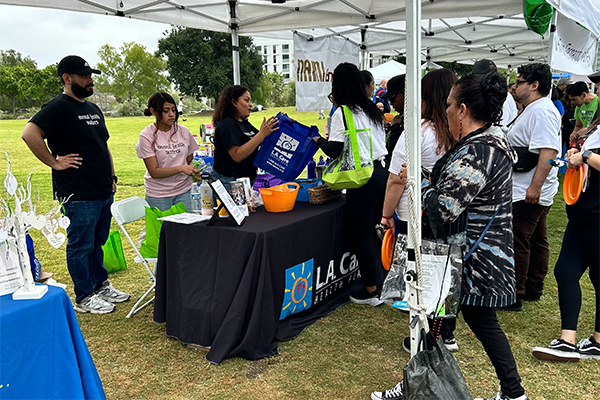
(42, 352)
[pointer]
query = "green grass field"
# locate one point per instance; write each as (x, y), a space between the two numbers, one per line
(354, 351)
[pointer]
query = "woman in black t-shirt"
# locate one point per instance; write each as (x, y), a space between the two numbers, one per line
(236, 140)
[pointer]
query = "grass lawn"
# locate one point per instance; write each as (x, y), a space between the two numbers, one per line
(347, 355)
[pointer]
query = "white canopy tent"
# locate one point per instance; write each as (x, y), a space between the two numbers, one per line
(387, 70)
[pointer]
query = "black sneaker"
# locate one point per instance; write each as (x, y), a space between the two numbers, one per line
(451, 344)
(500, 396)
(559, 350)
(390, 394)
(518, 306)
(589, 349)
(364, 297)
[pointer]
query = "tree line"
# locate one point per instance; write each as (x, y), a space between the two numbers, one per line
(198, 63)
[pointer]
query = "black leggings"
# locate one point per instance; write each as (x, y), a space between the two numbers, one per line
(363, 211)
(484, 324)
(580, 251)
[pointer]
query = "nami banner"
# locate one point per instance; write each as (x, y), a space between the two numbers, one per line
(315, 62)
(574, 48)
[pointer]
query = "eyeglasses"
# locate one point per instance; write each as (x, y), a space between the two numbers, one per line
(330, 97)
(518, 82)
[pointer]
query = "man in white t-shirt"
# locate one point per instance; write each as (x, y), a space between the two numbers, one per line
(535, 132)
(180, 108)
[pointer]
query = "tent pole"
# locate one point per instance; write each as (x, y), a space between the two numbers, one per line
(551, 39)
(235, 41)
(363, 48)
(412, 118)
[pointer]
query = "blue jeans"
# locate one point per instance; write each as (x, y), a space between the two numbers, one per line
(164, 203)
(87, 233)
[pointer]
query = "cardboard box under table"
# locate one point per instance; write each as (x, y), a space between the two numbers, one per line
(241, 289)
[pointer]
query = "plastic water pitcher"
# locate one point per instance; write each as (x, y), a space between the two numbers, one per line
(196, 199)
(206, 196)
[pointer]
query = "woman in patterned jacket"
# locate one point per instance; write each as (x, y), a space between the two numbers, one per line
(470, 186)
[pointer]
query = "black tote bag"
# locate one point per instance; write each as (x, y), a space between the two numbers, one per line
(433, 374)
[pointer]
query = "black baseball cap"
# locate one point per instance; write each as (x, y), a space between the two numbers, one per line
(394, 86)
(483, 66)
(75, 65)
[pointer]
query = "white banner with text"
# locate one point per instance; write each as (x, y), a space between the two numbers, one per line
(574, 47)
(315, 61)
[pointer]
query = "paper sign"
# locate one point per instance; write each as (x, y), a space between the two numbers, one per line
(10, 271)
(228, 202)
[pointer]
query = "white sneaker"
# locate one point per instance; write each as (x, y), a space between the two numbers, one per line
(397, 393)
(94, 305)
(451, 344)
(108, 293)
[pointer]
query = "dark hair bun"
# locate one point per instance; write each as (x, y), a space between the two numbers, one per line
(494, 88)
(147, 112)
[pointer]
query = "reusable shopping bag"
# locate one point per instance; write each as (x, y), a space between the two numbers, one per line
(433, 374)
(442, 277)
(114, 259)
(354, 167)
(149, 247)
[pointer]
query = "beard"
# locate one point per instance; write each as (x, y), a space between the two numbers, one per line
(82, 92)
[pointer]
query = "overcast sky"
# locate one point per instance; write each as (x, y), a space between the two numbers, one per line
(47, 35)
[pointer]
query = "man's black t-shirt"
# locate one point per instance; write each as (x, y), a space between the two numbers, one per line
(231, 132)
(73, 127)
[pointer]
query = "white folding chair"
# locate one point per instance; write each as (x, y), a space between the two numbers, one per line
(129, 210)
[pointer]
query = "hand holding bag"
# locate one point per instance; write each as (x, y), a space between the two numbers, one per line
(354, 167)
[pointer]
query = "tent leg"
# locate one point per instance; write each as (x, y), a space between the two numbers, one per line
(235, 50)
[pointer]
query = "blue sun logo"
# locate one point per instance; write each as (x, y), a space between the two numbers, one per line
(298, 288)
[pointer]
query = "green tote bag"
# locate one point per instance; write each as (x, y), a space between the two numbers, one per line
(149, 247)
(114, 259)
(354, 167)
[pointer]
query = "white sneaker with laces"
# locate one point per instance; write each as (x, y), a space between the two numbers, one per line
(94, 305)
(391, 394)
(108, 293)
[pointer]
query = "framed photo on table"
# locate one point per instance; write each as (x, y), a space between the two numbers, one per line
(227, 202)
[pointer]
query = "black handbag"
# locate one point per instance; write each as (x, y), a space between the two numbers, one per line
(433, 374)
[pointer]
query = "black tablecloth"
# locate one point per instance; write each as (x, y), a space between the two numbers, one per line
(224, 286)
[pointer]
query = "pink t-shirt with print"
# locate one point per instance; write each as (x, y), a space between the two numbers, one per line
(171, 150)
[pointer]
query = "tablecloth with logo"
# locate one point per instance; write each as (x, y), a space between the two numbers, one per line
(42, 352)
(241, 289)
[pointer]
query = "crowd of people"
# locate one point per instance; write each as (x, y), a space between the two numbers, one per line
(484, 145)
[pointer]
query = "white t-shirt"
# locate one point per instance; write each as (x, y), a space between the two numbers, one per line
(509, 110)
(361, 121)
(429, 156)
(537, 127)
(180, 107)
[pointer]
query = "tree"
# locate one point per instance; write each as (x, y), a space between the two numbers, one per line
(12, 58)
(130, 72)
(200, 62)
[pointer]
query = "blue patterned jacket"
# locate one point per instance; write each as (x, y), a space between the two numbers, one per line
(467, 186)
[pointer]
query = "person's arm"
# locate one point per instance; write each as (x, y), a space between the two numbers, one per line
(532, 195)
(393, 192)
(240, 153)
(112, 170)
(331, 149)
(575, 159)
(33, 136)
(157, 173)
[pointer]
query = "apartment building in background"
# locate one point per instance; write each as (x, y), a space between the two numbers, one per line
(277, 54)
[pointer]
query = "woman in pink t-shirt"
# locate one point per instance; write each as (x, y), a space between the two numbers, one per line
(167, 149)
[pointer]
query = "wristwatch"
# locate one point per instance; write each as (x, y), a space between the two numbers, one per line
(115, 179)
(586, 154)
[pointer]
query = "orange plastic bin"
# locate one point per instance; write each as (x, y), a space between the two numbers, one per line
(280, 198)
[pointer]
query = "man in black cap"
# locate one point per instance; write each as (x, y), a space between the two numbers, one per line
(509, 108)
(83, 173)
